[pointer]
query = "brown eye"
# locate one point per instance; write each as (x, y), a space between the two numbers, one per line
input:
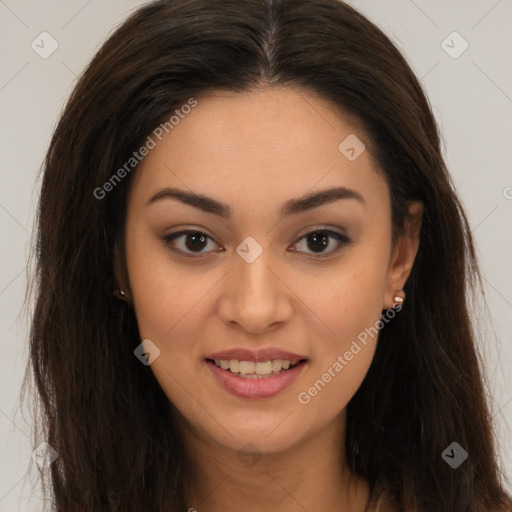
(191, 242)
(319, 240)
(195, 241)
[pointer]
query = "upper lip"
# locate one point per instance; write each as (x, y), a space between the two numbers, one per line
(264, 354)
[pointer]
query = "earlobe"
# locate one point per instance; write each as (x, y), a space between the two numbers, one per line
(404, 255)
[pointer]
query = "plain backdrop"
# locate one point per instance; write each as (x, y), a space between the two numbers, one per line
(471, 96)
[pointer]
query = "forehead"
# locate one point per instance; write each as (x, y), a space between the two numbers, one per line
(268, 145)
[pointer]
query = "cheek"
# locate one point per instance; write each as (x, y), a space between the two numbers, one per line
(163, 292)
(347, 309)
(345, 299)
(169, 303)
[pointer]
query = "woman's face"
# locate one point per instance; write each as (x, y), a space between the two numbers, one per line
(267, 272)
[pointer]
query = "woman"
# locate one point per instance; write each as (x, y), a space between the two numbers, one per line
(252, 270)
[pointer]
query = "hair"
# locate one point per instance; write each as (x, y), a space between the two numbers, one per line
(104, 412)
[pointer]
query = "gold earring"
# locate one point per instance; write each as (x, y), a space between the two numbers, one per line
(398, 300)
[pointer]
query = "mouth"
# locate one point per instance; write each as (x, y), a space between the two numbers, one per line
(256, 379)
(256, 369)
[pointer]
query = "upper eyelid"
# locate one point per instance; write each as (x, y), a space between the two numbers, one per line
(187, 231)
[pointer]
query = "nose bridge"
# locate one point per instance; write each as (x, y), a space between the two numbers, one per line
(256, 297)
(252, 273)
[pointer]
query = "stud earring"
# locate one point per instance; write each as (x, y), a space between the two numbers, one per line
(398, 300)
(119, 293)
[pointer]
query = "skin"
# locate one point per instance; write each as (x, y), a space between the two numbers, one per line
(254, 151)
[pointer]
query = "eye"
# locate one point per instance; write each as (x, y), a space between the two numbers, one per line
(191, 242)
(194, 241)
(319, 240)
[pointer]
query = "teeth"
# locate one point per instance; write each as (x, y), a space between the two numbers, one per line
(276, 365)
(253, 368)
(245, 367)
(262, 368)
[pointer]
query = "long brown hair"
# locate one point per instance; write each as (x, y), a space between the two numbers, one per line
(104, 412)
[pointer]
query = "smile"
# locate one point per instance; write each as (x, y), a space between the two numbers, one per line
(255, 369)
(255, 380)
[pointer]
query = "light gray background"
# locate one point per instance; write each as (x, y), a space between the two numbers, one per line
(471, 97)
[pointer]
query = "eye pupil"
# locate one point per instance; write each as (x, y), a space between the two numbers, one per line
(320, 238)
(198, 241)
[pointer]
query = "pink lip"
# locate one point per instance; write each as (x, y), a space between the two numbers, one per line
(264, 354)
(256, 388)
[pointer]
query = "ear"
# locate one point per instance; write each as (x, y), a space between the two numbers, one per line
(403, 254)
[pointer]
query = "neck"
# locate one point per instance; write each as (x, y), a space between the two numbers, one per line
(310, 476)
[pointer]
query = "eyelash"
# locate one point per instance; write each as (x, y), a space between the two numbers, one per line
(341, 239)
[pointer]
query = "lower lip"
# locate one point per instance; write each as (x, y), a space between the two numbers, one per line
(255, 388)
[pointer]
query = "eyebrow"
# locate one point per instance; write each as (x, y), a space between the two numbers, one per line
(290, 207)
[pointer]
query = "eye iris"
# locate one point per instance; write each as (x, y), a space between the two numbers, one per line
(198, 241)
(319, 238)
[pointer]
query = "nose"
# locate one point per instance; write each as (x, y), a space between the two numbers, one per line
(256, 296)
